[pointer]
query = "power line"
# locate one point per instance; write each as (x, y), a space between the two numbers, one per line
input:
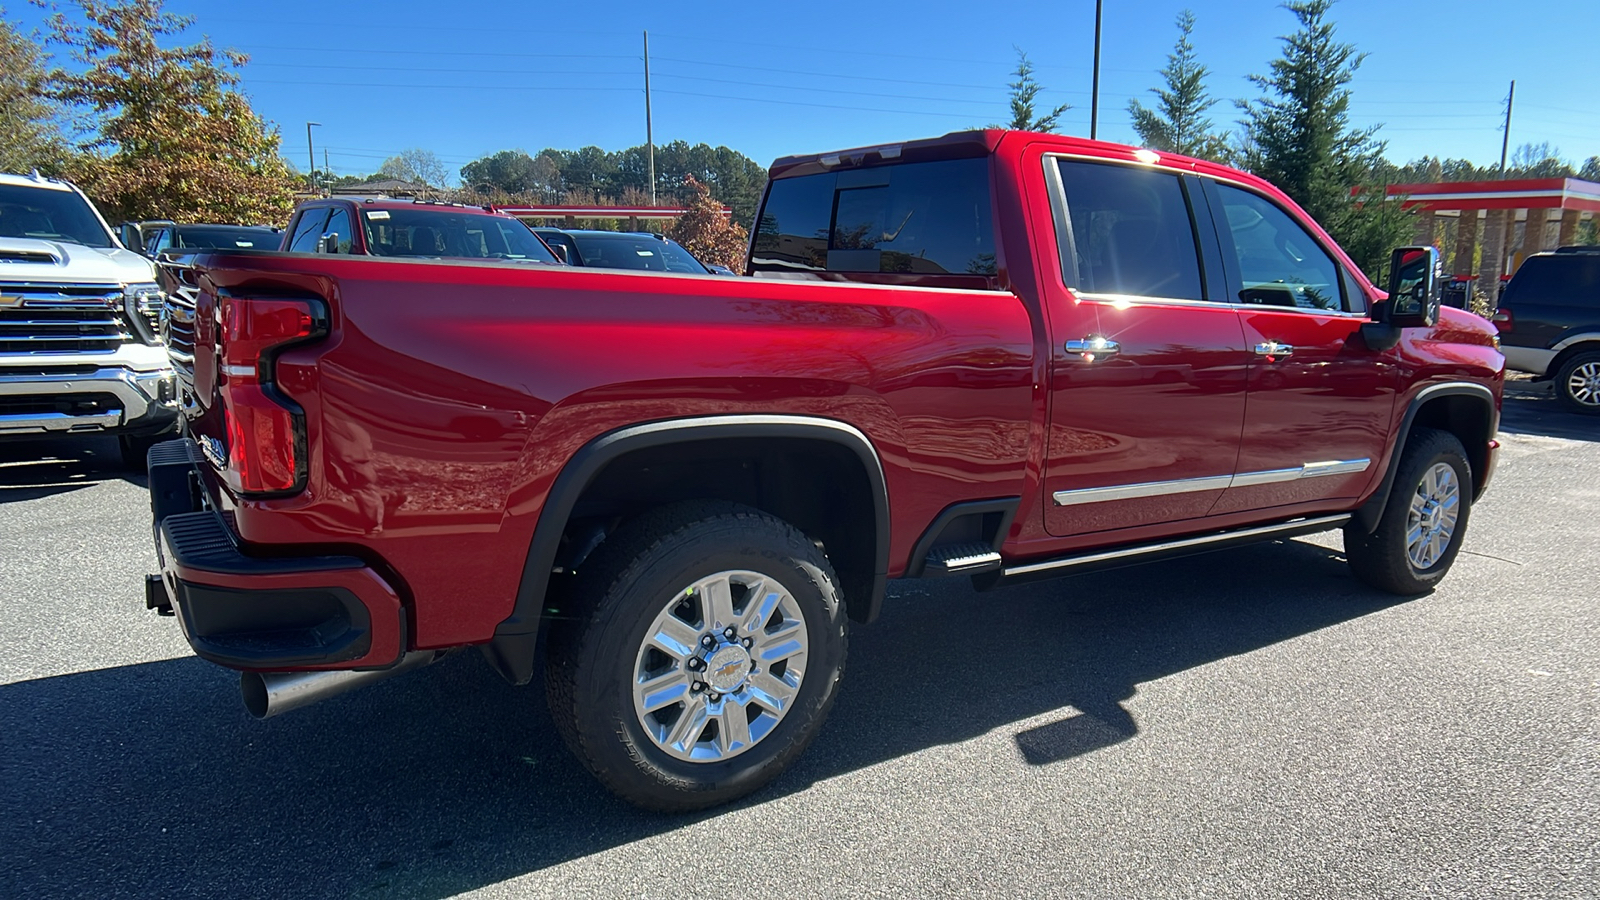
(968, 116)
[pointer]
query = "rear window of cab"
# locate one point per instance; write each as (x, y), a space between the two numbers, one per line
(923, 218)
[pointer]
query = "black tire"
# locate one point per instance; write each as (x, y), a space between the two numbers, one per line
(1590, 403)
(1380, 558)
(594, 645)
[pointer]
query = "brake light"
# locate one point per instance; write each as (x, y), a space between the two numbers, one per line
(1502, 320)
(265, 428)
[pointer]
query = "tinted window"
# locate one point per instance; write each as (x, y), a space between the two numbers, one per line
(1131, 232)
(47, 214)
(635, 251)
(307, 230)
(1559, 280)
(339, 224)
(452, 234)
(229, 238)
(1279, 262)
(162, 241)
(932, 217)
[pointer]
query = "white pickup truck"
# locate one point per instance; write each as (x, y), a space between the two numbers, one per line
(80, 349)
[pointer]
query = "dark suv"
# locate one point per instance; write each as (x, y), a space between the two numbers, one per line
(1549, 321)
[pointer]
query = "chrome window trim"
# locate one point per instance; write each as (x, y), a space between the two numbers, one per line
(1318, 469)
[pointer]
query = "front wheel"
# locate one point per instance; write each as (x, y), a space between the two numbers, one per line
(1424, 522)
(1578, 383)
(697, 655)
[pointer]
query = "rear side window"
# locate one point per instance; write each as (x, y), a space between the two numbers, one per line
(913, 218)
(1557, 280)
(1130, 231)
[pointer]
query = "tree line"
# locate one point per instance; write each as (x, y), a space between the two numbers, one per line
(1297, 134)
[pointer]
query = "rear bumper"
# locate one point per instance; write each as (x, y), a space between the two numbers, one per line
(102, 399)
(260, 613)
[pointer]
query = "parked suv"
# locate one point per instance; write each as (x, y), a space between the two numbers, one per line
(1549, 322)
(414, 228)
(210, 237)
(79, 350)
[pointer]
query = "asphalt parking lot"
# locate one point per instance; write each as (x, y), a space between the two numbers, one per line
(1245, 724)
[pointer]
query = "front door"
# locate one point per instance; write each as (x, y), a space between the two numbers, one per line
(1147, 376)
(1320, 401)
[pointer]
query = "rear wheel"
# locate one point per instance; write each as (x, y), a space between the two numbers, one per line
(1420, 533)
(1578, 383)
(698, 655)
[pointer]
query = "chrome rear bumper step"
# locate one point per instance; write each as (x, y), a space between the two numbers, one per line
(1135, 554)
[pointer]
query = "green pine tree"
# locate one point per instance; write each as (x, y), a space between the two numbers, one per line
(1298, 136)
(1023, 93)
(1179, 124)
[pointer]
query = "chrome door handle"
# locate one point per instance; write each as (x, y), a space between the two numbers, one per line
(1274, 349)
(1093, 347)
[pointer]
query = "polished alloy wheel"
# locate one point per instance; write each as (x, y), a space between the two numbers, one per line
(1583, 384)
(1435, 507)
(720, 666)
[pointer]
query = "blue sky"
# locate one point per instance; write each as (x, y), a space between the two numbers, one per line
(467, 79)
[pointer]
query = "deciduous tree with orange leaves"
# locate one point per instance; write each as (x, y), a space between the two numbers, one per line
(706, 232)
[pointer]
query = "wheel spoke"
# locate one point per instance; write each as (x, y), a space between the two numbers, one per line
(675, 637)
(770, 693)
(733, 727)
(662, 691)
(717, 594)
(759, 609)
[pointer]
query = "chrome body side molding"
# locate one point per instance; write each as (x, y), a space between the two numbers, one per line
(1211, 482)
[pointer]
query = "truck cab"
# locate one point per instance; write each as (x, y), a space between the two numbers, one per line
(415, 229)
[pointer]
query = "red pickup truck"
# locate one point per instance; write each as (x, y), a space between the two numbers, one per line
(994, 354)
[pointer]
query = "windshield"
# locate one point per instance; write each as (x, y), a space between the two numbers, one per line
(47, 214)
(229, 238)
(452, 234)
(635, 251)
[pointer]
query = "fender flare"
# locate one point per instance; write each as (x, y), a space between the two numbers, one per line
(1369, 513)
(512, 649)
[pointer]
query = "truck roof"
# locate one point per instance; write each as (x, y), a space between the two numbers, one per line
(35, 180)
(401, 203)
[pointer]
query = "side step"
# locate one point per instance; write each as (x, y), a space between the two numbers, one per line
(1118, 557)
(962, 559)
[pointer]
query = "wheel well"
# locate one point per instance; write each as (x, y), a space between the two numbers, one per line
(1469, 419)
(1561, 358)
(819, 486)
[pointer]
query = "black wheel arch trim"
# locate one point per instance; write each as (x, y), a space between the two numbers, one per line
(512, 650)
(1369, 513)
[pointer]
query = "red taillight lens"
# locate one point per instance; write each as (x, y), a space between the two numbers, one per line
(1502, 320)
(265, 429)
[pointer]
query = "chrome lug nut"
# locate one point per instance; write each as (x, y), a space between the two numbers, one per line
(696, 664)
(715, 696)
(729, 633)
(698, 686)
(708, 640)
(749, 642)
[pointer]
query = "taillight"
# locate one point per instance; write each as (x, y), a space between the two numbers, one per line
(265, 429)
(1502, 320)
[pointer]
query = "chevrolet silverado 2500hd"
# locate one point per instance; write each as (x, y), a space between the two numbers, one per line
(78, 346)
(994, 354)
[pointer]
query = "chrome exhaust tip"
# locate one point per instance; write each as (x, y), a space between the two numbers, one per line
(267, 694)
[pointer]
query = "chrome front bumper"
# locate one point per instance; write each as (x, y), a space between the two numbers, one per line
(146, 400)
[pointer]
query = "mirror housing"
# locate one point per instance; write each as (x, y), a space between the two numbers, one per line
(560, 250)
(1415, 288)
(329, 243)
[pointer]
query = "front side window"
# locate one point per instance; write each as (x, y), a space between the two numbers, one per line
(452, 234)
(1130, 231)
(307, 230)
(910, 218)
(1279, 262)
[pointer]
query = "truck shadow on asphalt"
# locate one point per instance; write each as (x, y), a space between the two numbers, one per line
(1532, 408)
(150, 780)
(30, 469)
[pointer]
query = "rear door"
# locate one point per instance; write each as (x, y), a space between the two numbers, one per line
(1147, 375)
(1320, 401)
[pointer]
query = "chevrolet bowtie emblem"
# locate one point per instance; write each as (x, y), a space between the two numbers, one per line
(8, 301)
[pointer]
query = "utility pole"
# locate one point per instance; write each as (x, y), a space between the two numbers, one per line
(1094, 97)
(649, 136)
(1505, 142)
(311, 158)
(325, 167)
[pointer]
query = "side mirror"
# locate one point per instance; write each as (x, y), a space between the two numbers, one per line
(560, 250)
(328, 244)
(1414, 288)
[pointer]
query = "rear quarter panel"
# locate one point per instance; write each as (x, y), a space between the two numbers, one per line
(447, 398)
